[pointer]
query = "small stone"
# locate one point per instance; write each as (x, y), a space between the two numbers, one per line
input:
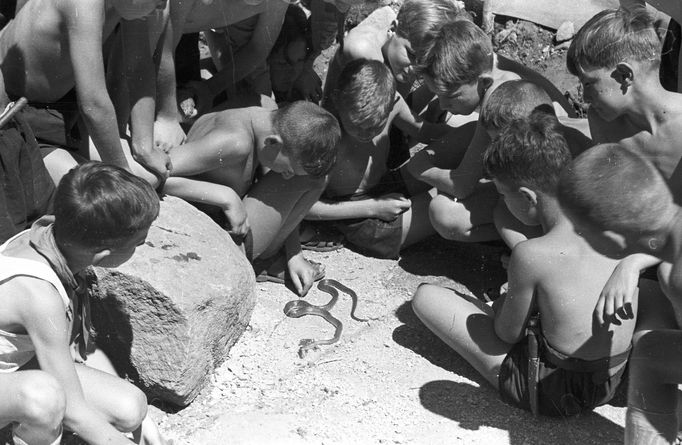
(565, 32)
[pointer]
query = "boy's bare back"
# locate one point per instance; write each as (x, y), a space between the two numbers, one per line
(34, 49)
(569, 277)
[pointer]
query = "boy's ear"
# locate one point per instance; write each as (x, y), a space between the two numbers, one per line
(273, 139)
(530, 195)
(624, 74)
(394, 26)
(99, 256)
(485, 81)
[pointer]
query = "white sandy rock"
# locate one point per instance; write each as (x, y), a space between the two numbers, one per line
(169, 316)
(565, 32)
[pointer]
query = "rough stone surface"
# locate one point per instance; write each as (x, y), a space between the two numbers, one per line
(171, 313)
(565, 32)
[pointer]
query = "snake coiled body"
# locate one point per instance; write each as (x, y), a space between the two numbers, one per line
(299, 308)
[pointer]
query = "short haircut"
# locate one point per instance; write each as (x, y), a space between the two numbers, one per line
(455, 55)
(365, 93)
(529, 152)
(613, 36)
(310, 135)
(612, 188)
(98, 206)
(511, 100)
(417, 18)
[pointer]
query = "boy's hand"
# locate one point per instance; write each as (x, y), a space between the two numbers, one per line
(390, 206)
(237, 221)
(616, 298)
(309, 85)
(302, 273)
(156, 161)
(168, 134)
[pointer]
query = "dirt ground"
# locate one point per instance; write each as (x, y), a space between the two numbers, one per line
(388, 380)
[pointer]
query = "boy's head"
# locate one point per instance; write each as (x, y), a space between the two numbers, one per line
(364, 97)
(309, 136)
(514, 99)
(617, 200)
(101, 207)
(416, 19)
(609, 52)
(525, 161)
(456, 63)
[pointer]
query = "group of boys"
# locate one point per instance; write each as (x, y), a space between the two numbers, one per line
(504, 172)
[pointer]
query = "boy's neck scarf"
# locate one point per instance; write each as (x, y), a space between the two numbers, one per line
(41, 238)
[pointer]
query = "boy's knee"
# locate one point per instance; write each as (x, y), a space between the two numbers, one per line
(443, 213)
(131, 409)
(421, 299)
(42, 400)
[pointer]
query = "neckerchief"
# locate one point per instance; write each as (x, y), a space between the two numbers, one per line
(41, 238)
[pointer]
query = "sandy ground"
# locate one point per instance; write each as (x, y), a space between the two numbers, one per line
(388, 380)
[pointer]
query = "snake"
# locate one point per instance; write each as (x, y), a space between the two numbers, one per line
(300, 308)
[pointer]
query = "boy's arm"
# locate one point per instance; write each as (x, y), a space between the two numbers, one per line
(140, 78)
(301, 271)
(84, 24)
(43, 317)
(387, 207)
(511, 319)
(212, 194)
(459, 182)
(615, 300)
(251, 55)
(414, 126)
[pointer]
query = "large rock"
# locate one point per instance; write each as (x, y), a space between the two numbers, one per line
(168, 317)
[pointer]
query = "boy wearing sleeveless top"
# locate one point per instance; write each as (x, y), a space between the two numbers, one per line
(102, 213)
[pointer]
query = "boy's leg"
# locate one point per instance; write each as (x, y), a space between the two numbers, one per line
(468, 220)
(123, 405)
(416, 223)
(465, 324)
(36, 401)
(275, 206)
(58, 162)
(655, 372)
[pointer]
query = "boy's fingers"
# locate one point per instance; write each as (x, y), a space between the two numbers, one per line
(599, 310)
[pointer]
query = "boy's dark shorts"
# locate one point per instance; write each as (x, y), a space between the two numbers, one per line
(57, 124)
(374, 236)
(560, 392)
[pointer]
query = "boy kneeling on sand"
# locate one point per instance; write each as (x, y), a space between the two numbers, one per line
(102, 213)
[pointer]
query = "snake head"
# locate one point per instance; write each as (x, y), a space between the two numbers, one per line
(305, 346)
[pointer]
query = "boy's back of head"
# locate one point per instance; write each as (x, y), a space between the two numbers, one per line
(365, 93)
(310, 135)
(417, 18)
(455, 55)
(514, 99)
(99, 206)
(529, 152)
(613, 36)
(612, 188)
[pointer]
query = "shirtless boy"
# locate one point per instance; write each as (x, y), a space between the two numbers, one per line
(616, 56)
(377, 209)
(221, 165)
(53, 46)
(458, 65)
(620, 203)
(558, 276)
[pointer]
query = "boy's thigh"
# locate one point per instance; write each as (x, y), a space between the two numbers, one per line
(17, 389)
(114, 397)
(474, 210)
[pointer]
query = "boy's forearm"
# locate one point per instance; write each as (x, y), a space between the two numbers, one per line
(292, 245)
(100, 120)
(639, 261)
(202, 192)
(324, 210)
(166, 95)
(421, 167)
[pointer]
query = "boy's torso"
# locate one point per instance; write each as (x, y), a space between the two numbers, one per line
(34, 49)
(359, 165)
(570, 278)
(238, 175)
